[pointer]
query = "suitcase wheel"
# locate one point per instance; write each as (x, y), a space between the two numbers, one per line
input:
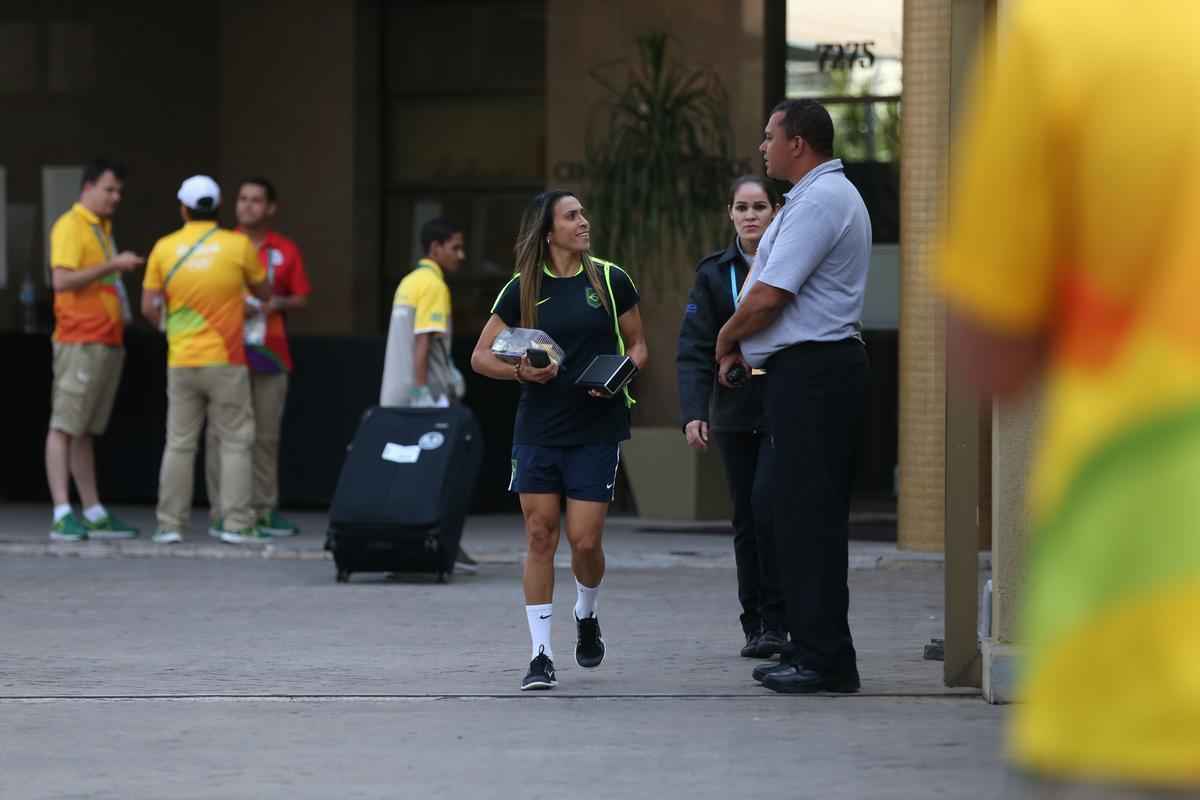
(343, 576)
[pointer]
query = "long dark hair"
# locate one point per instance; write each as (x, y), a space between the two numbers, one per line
(532, 252)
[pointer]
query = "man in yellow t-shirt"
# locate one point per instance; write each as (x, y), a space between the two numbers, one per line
(434, 380)
(90, 307)
(1073, 254)
(434, 377)
(198, 277)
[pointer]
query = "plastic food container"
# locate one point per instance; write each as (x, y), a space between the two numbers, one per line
(512, 343)
(254, 327)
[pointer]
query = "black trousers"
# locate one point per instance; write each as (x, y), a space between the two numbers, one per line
(747, 457)
(816, 401)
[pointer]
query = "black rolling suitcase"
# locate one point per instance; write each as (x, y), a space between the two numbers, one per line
(404, 491)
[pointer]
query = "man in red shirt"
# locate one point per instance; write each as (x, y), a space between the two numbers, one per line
(267, 352)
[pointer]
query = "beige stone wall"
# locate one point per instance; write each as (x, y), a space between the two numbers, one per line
(243, 94)
(134, 81)
(926, 137)
(224, 89)
(287, 111)
(725, 35)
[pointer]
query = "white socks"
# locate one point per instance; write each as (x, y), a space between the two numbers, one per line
(93, 513)
(540, 617)
(585, 600)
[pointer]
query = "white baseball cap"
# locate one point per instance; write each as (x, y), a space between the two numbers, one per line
(200, 193)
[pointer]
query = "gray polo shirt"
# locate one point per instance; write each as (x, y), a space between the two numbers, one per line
(817, 248)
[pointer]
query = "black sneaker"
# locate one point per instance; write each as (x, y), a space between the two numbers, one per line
(541, 673)
(750, 650)
(589, 649)
(770, 644)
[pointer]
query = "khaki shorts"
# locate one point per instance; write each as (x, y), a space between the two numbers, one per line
(86, 377)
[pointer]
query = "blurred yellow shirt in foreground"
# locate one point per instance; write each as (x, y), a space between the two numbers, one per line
(1076, 215)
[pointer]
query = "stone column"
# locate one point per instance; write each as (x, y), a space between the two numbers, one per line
(944, 436)
(1014, 425)
(923, 168)
(1014, 430)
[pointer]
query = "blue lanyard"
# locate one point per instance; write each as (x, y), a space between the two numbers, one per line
(733, 271)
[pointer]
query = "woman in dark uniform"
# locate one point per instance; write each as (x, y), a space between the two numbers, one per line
(566, 440)
(735, 419)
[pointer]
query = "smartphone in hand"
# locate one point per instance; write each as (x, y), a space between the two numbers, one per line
(538, 358)
(736, 376)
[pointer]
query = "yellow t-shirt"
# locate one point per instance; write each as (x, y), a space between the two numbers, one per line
(1075, 200)
(426, 291)
(205, 296)
(78, 240)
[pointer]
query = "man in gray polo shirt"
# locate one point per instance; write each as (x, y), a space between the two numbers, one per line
(799, 319)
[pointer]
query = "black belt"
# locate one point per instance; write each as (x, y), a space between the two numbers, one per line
(802, 346)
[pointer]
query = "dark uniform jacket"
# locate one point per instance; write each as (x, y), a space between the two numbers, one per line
(710, 305)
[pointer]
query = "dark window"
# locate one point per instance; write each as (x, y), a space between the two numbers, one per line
(848, 56)
(465, 94)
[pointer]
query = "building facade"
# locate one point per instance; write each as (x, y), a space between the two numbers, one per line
(372, 117)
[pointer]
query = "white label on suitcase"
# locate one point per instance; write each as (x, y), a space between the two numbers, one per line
(401, 453)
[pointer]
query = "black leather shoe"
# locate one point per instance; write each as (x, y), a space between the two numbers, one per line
(763, 670)
(750, 650)
(770, 643)
(802, 680)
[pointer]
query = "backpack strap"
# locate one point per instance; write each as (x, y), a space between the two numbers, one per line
(175, 268)
(187, 254)
(629, 401)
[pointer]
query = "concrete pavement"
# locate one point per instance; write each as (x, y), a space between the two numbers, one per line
(130, 677)
(896, 749)
(498, 539)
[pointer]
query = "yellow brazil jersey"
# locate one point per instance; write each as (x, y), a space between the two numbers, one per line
(78, 240)
(1075, 209)
(426, 291)
(205, 295)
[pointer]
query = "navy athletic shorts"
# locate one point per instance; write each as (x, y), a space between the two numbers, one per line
(580, 472)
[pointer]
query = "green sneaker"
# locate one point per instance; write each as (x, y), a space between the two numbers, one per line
(216, 526)
(244, 536)
(68, 529)
(276, 525)
(109, 527)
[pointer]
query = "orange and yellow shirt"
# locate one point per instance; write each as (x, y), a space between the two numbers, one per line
(1076, 196)
(205, 298)
(79, 240)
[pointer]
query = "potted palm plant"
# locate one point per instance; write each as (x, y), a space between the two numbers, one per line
(659, 161)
